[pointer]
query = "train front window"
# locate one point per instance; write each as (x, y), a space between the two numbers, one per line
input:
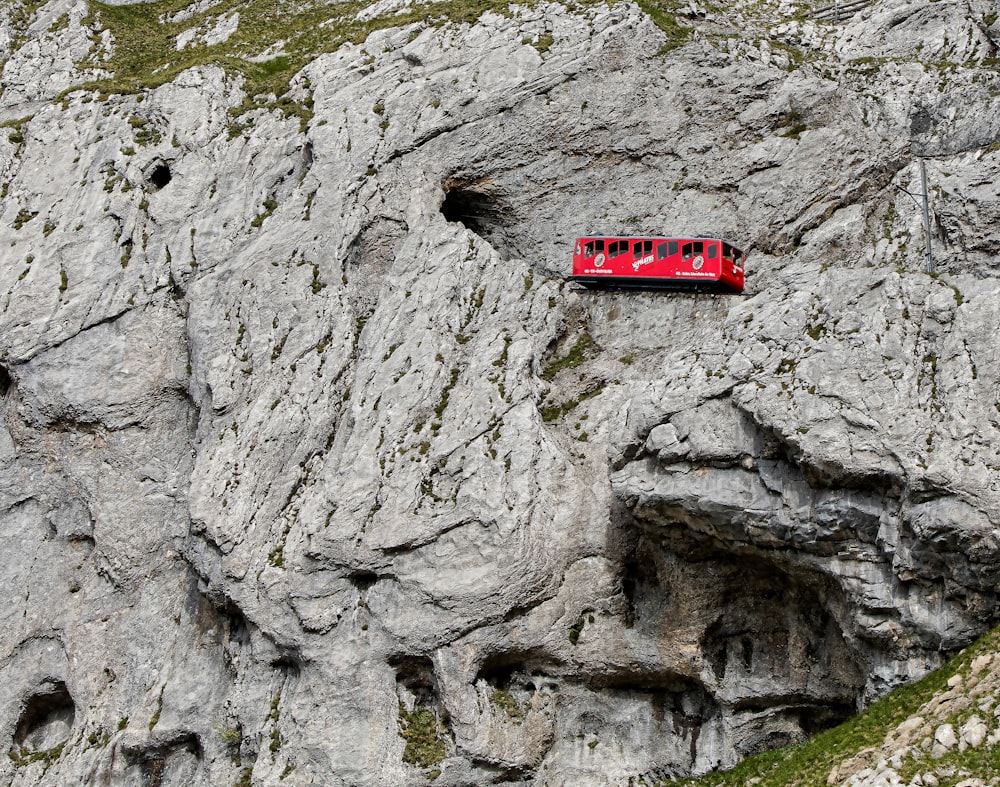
(588, 249)
(647, 247)
(686, 250)
(699, 247)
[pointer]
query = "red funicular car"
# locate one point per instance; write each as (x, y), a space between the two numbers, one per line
(672, 263)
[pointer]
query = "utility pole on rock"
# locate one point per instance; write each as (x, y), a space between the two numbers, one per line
(929, 260)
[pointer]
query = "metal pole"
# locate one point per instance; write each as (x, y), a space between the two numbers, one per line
(927, 217)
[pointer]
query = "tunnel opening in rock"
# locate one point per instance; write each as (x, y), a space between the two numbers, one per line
(646, 598)
(46, 718)
(415, 678)
(4, 381)
(288, 665)
(237, 629)
(520, 670)
(424, 721)
(159, 175)
(482, 209)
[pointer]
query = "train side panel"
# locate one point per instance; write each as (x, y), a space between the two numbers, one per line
(673, 262)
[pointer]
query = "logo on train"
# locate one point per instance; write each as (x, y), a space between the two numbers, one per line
(599, 259)
(644, 261)
(697, 262)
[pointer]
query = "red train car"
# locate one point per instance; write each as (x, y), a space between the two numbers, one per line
(670, 263)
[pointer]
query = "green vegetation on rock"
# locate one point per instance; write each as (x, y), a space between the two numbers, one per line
(146, 38)
(423, 736)
(272, 39)
(577, 355)
(810, 764)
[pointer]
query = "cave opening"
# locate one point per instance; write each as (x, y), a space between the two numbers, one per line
(47, 718)
(159, 175)
(416, 682)
(773, 638)
(504, 671)
(363, 581)
(288, 665)
(483, 210)
(471, 208)
(4, 381)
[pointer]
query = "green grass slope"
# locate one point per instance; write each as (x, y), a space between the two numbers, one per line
(898, 728)
(274, 39)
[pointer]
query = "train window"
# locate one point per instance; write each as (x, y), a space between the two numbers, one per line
(588, 250)
(617, 247)
(686, 250)
(661, 251)
(647, 247)
(637, 249)
(713, 251)
(599, 245)
(699, 247)
(672, 247)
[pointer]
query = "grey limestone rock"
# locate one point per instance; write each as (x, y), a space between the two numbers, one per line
(308, 448)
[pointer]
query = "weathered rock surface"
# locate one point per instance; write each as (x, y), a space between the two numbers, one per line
(304, 431)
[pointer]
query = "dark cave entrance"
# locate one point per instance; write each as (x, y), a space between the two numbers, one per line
(4, 381)
(415, 678)
(482, 209)
(475, 210)
(159, 175)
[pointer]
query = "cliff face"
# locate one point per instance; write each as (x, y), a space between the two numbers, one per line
(315, 469)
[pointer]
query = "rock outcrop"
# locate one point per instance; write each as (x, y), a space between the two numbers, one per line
(315, 469)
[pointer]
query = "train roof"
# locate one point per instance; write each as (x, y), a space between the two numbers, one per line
(659, 237)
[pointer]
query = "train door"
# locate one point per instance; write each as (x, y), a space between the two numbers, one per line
(666, 257)
(732, 264)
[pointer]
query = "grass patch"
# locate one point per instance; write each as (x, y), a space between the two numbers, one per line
(544, 43)
(505, 701)
(16, 126)
(556, 411)
(22, 756)
(424, 737)
(662, 12)
(23, 217)
(576, 356)
(145, 51)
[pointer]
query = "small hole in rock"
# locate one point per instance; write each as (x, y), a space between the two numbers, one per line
(363, 580)
(159, 176)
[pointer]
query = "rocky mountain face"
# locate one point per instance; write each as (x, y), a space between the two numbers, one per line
(315, 468)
